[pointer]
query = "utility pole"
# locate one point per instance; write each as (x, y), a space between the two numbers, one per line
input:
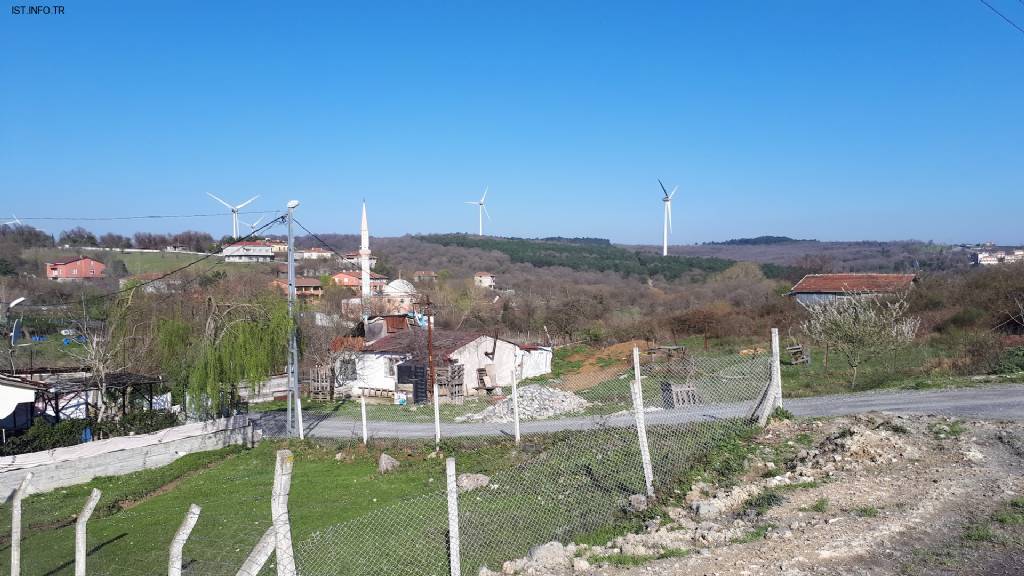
(294, 395)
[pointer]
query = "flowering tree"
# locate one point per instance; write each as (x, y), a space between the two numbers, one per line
(861, 326)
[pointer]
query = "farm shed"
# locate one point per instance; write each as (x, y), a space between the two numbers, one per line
(17, 402)
(816, 288)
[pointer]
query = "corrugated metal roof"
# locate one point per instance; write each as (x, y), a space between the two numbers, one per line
(838, 283)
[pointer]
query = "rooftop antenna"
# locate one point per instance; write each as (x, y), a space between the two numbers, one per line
(234, 211)
(667, 199)
(482, 209)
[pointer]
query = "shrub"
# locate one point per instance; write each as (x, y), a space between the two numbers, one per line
(1011, 361)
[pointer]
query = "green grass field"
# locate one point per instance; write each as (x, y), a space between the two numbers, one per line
(349, 519)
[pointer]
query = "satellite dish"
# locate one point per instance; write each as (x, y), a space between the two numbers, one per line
(16, 332)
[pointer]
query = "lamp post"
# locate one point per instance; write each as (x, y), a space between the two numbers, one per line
(15, 330)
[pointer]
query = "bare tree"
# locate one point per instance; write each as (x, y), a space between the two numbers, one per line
(112, 336)
(861, 326)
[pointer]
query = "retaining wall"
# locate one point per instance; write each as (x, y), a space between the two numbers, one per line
(77, 464)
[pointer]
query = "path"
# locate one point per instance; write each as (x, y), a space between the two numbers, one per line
(1002, 402)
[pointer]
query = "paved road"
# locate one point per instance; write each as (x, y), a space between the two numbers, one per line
(1004, 402)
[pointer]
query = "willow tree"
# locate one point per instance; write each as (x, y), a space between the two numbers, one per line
(230, 345)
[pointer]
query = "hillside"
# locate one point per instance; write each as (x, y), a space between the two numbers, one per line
(819, 256)
(587, 254)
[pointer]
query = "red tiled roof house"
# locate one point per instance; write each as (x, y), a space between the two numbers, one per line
(77, 268)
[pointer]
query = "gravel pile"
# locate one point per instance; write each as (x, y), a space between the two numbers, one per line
(535, 403)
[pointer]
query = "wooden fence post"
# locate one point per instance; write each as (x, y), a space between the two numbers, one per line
(454, 554)
(16, 525)
(641, 424)
(259, 554)
(80, 541)
(279, 510)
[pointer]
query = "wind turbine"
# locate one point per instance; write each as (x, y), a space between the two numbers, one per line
(668, 215)
(482, 209)
(254, 225)
(15, 221)
(234, 212)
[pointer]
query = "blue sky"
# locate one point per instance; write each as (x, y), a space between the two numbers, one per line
(824, 119)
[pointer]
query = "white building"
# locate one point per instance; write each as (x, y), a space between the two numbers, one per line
(483, 280)
(400, 296)
(248, 252)
(488, 364)
(990, 258)
(315, 253)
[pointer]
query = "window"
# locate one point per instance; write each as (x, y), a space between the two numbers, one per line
(74, 271)
(393, 366)
(92, 271)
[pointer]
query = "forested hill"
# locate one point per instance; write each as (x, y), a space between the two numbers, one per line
(587, 254)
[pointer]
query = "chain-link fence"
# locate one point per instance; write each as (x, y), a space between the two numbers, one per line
(566, 458)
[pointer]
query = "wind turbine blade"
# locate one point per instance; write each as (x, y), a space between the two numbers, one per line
(243, 204)
(221, 201)
(486, 212)
(486, 189)
(474, 203)
(673, 192)
(663, 187)
(257, 222)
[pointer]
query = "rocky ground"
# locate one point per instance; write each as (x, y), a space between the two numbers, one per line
(867, 495)
(536, 402)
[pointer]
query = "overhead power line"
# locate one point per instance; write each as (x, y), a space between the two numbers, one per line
(141, 217)
(249, 236)
(320, 240)
(1003, 16)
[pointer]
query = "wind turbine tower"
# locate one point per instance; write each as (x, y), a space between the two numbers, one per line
(234, 212)
(482, 210)
(667, 200)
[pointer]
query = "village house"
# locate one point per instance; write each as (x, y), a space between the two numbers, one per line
(278, 247)
(77, 268)
(305, 287)
(483, 280)
(314, 253)
(353, 258)
(816, 288)
(152, 282)
(481, 364)
(424, 276)
(250, 251)
(353, 279)
(991, 258)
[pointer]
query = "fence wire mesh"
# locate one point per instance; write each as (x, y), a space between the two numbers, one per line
(570, 478)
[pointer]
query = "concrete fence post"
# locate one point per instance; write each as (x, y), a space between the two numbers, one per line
(180, 537)
(641, 423)
(80, 539)
(776, 371)
(454, 554)
(362, 412)
(259, 554)
(279, 511)
(437, 417)
(515, 405)
(16, 525)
